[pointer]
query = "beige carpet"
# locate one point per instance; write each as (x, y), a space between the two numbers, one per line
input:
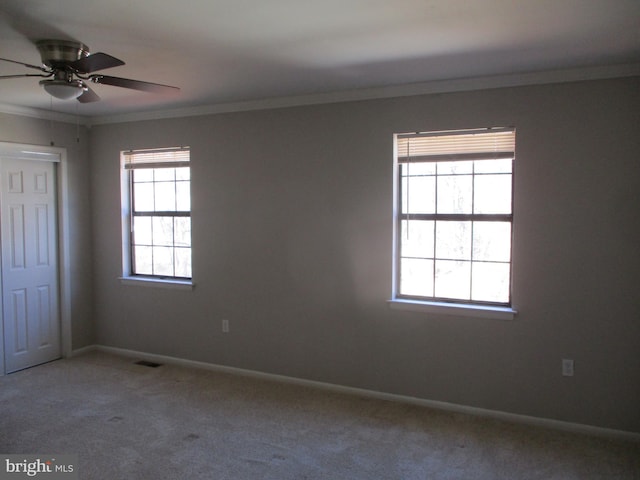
(127, 421)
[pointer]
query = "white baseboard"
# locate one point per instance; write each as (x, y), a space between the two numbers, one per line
(445, 406)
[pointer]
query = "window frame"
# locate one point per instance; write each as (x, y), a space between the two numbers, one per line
(444, 305)
(161, 159)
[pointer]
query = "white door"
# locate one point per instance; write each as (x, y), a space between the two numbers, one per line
(29, 263)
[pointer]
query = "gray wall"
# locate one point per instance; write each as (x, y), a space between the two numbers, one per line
(19, 129)
(292, 242)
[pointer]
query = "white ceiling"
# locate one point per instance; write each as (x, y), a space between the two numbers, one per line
(220, 51)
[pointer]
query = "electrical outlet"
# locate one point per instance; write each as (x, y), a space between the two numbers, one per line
(225, 326)
(567, 367)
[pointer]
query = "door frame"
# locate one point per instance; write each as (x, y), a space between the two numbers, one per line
(23, 151)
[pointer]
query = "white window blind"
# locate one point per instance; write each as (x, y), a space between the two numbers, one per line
(156, 158)
(485, 144)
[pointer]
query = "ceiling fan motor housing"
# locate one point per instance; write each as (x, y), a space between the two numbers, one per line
(59, 53)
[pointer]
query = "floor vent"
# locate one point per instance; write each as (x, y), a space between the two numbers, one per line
(146, 363)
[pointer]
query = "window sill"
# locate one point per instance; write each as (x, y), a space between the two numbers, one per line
(459, 309)
(157, 283)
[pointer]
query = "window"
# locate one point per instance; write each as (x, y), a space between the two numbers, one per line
(454, 216)
(157, 198)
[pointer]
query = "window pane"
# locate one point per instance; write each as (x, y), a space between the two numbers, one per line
(453, 279)
(419, 168)
(416, 238)
(448, 168)
(182, 231)
(418, 195)
(183, 173)
(453, 240)
(142, 230)
(491, 282)
(163, 231)
(183, 262)
(142, 175)
(493, 166)
(163, 261)
(165, 196)
(416, 277)
(164, 174)
(492, 241)
(455, 193)
(183, 196)
(143, 260)
(492, 194)
(143, 197)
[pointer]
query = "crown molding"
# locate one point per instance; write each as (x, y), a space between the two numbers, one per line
(421, 88)
(43, 114)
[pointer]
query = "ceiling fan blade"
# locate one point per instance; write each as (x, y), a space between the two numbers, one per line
(133, 84)
(42, 69)
(94, 62)
(88, 96)
(25, 75)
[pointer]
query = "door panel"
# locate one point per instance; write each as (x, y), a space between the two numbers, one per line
(19, 320)
(16, 235)
(29, 265)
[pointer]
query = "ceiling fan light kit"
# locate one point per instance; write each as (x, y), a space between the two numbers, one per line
(62, 89)
(71, 65)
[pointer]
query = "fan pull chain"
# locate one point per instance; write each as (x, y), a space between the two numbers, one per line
(77, 124)
(52, 143)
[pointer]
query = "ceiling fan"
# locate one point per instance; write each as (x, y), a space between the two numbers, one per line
(68, 67)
